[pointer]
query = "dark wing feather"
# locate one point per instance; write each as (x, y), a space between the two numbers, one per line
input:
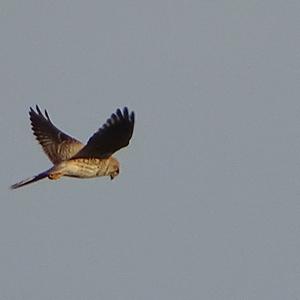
(56, 144)
(112, 136)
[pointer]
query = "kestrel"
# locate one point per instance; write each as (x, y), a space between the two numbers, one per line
(72, 158)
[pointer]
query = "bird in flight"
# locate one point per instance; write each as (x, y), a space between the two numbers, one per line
(72, 158)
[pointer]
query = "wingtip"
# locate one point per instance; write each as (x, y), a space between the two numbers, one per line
(31, 110)
(119, 113)
(125, 112)
(129, 116)
(47, 115)
(132, 116)
(38, 110)
(34, 110)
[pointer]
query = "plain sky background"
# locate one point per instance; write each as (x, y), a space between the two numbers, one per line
(207, 205)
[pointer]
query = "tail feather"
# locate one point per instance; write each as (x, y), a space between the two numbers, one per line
(30, 180)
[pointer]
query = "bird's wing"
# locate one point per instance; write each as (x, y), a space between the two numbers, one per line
(56, 144)
(112, 136)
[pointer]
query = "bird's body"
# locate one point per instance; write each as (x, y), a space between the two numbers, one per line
(82, 168)
(71, 158)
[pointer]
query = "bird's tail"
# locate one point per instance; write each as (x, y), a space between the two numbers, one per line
(30, 180)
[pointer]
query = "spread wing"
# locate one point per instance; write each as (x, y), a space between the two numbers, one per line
(56, 144)
(112, 136)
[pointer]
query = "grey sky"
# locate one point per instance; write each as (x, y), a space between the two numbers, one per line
(207, 204)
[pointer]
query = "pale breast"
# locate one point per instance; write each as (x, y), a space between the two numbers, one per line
(86, 168)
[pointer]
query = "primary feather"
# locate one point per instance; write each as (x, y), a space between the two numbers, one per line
(57, 145)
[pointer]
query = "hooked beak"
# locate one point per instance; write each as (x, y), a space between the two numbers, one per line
(114, 174)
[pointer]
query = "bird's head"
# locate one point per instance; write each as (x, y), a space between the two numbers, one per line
(113, 168)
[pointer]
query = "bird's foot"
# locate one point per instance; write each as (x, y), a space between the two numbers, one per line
(54, 176)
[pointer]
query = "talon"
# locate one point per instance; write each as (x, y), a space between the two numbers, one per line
(54, 176)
